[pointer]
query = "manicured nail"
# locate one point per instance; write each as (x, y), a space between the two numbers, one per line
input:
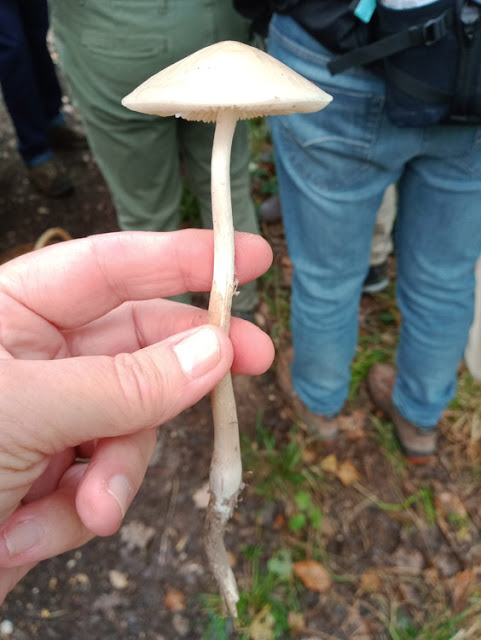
(199, 352)
(22, 537)
(120, 489)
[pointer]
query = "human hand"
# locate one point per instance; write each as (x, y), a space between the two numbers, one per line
(91, 362)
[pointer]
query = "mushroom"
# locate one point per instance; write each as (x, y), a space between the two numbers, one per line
(223, 83)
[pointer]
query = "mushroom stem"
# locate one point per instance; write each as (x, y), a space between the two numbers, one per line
(223, 284)
(226, 465)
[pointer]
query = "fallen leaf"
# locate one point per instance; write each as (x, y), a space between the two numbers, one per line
(262, 625)
(347, 473)
(353, 425)
(329, 464)
(431, 576)
(313, 575)
(174, 600)
(309, 456)
(460, 585)
(370, 581)
(356, 625)
(296, 621)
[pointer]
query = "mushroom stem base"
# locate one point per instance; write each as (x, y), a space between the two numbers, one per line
(215, 524)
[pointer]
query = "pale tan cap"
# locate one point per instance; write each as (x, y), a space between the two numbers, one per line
(226, 75)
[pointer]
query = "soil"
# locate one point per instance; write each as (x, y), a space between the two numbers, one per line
(145, 582)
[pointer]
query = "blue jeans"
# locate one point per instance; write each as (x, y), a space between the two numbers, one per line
(29, 82)
(333, 169)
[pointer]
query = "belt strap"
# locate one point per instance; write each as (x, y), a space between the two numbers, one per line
(422, 34)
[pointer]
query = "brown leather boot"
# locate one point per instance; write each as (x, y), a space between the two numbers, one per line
(419, 444)
(322, 427)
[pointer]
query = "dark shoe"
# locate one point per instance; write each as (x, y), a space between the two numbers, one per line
(50, 179)
(270, 209)
(67, 138)
(320, 426)
(418, 444)
(376, 279)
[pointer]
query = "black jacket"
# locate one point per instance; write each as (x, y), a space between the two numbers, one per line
(331, 22)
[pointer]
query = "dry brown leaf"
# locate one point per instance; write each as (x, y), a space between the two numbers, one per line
(370, 581)
(460, 585)
(347, 473)
(431, 576)
(262, 626)
(174, 600)
(353, 425)
(313, 575)
(356, 626)
(329, 464)
(309, 456)
(296, 621)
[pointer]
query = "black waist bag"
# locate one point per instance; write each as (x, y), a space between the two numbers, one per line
(431, 62)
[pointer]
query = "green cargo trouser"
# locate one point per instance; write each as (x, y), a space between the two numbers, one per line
(107, 48)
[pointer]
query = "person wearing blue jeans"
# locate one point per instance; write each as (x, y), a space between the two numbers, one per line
(333, 168)
(32, 93)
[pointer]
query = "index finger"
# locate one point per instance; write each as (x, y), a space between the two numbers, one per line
(75, 282)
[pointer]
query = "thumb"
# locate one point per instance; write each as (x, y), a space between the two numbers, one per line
(52, 405)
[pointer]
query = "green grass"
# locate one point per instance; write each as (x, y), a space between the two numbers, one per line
(370, 349)
(273, 592)
(464, 626)
(387, 442)
(423, 500)
(279, 470)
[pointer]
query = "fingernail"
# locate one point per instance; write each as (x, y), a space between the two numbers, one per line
(22, 537)
(198, 353)
(120, 489)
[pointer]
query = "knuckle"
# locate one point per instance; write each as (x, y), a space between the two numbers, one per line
(142, 387)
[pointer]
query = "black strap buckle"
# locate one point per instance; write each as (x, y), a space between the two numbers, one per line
(435, 29)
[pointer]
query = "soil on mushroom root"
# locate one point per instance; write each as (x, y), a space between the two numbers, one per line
(147, 581)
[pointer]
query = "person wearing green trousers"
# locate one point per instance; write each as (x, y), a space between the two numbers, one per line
(107, 48)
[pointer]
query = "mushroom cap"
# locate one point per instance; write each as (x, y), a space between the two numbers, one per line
(226, 75)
